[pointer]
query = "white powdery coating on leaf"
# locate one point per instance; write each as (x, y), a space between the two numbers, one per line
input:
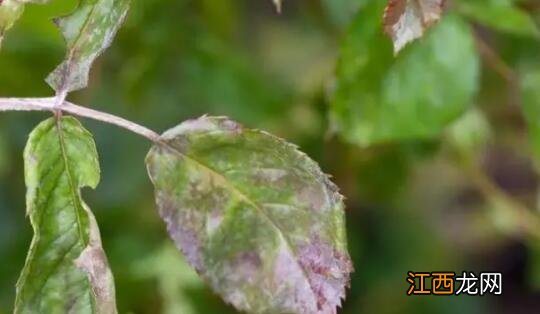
(408, 28)
(406, 20)
(84, 45)
(292, 286)
(299, 200)
(244, 269)
(183, 235)
(201, 125)
(328, 271)
(270, 174)
(93, 262)
(213, 221)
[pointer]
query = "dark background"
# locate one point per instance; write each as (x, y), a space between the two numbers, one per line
(410, 205)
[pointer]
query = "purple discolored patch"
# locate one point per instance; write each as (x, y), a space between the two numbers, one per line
(328, 271)
(179, 229)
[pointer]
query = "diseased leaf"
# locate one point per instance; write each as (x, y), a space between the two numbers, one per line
(88, 32)
(10, 12)
(406, 20)
(380, 98)
(253, 215)
(66, 270)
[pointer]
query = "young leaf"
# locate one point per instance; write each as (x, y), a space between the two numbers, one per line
(381, 98)
(88, 32)
(253, 215)
(66, 269)
(406, 20)
(10, 12)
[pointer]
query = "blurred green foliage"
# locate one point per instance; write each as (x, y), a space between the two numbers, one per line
(411, 206)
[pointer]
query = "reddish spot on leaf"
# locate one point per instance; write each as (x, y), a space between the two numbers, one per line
(406, 20)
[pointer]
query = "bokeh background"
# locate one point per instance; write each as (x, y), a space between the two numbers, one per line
(411, 205)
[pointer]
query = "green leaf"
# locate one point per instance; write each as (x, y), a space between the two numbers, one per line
(340, 12)
(10, 12)
(501, 15)
(407, 20)
(88, 32)
(66, 270)
(253, 215)
(379, 98)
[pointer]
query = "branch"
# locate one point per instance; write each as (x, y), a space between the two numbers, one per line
(495, 61)
(526, 219)
(48, 104)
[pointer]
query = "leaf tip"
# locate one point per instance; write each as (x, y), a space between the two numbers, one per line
(406, 21)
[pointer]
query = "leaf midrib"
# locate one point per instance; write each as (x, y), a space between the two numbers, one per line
(76, 204)
(253, 204)
(72, 186)
(69, 59)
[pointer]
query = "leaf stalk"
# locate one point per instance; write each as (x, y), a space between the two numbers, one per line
(50, 104)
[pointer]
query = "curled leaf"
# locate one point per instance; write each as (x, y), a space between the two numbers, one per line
(88, 32)
(253, 215)
(66, 270)
(406, 20)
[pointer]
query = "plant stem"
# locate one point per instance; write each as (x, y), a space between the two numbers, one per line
(496, 62)
(527, 221)
(48, 104)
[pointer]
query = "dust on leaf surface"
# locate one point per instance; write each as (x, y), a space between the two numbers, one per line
(88, 31)
(253, 215)
(66, 270)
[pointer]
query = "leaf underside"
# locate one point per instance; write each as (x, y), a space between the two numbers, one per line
(253, 215)
(88, 32)
(406, 20)
(66, 269)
